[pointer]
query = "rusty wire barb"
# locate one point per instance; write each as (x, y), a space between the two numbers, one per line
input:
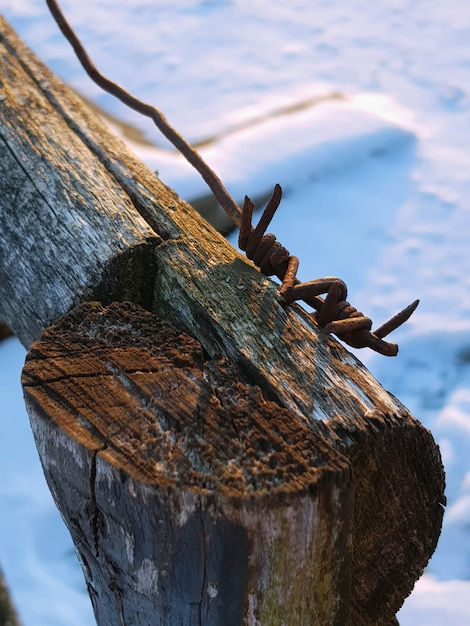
(332, 313)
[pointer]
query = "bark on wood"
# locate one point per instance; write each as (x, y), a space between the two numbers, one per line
(81, 219)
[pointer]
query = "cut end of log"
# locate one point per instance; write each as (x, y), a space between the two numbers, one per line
(131, 387)
(137, 409)
(185, 490)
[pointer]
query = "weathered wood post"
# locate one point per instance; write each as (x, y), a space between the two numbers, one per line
(216, 458)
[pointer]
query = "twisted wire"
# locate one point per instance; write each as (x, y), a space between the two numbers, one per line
(333, 313)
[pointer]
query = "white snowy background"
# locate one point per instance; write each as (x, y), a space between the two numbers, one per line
(362, 111)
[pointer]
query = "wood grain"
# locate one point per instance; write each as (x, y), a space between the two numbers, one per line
(130, 414)
(190, 496)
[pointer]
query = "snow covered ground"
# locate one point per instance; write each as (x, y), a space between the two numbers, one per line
(361, 111)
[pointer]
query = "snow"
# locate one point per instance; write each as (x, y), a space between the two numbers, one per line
(323, 140)
(361, 111)
(36, 552)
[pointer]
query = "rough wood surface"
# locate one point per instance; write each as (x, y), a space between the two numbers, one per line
(95, 237)
(68, 230)
(192, 498)
(140, 433)
(200, 281)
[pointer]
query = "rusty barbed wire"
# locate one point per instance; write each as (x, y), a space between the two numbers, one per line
(332, 313)
(190, 154)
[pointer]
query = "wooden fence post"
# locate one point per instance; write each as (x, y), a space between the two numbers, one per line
(236, 466)
(204, 503)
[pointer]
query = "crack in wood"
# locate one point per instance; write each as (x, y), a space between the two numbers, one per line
(94, 510)
(254, 465)
(117, 168)
(200, 510)
(27, 174)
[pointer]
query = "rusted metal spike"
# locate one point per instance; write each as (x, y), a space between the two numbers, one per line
(363, 338)
(382, 347)
(379, 345)
(334, 313)
(396, 321)
(245, 224)
(257, 234)
(269, 211)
